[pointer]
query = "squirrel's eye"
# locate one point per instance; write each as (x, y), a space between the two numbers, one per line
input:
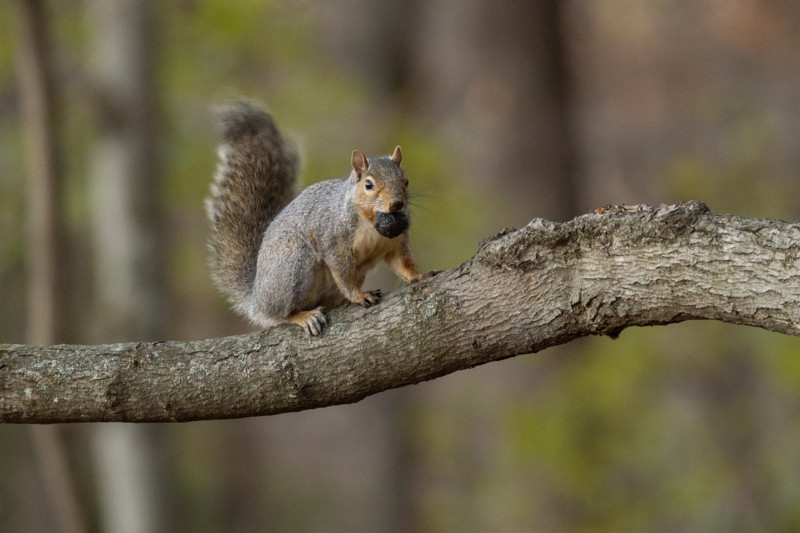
(368, 184)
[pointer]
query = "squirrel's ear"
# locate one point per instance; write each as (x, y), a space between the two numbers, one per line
(397, 156)
(359, 162)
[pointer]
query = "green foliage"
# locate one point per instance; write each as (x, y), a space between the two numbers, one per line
(630, 436)
(741, 175)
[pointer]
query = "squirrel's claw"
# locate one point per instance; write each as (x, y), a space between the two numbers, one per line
(371, 298)
(316, 321)
(312, 321)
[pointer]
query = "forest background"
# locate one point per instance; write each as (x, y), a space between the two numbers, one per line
(506, 111)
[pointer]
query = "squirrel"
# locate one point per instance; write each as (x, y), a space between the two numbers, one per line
(285, 260)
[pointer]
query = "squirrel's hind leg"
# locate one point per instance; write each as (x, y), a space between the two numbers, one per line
(312, 321)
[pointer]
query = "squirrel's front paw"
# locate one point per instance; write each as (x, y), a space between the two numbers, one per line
(369, 298)
(425, 275)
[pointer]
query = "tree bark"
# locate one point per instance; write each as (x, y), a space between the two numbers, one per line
(524, 290)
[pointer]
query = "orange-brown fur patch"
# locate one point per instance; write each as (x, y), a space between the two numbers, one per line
(300, 318)
(369, 246)
(405, 266)
(367, 214)
(409, 266)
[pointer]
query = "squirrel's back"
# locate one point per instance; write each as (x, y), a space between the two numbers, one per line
(254, 180)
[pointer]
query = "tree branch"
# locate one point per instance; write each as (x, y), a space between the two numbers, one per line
(524, 290)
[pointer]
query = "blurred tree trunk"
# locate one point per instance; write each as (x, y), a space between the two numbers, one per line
(494, 77)
(125, 229)
(46, 302)
(45, 215)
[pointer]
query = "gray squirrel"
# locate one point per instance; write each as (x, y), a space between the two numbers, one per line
(280, 259)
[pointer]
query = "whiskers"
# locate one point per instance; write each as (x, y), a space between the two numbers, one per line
(415, 204)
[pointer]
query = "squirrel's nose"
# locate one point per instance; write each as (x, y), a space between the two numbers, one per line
(396, 206)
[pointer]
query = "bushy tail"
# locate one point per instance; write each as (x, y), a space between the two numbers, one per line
(254, 180)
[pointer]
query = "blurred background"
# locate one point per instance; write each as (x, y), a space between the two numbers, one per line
(506, 111)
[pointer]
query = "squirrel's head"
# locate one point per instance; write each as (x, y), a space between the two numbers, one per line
(381, 192)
